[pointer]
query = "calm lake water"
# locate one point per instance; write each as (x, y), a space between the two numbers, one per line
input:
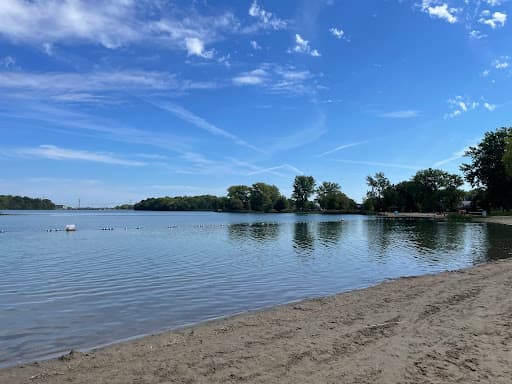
(156, 271)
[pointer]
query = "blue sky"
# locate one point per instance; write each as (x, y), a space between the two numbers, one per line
(115, 101)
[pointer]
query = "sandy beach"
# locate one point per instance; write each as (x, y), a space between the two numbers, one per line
(507, 220)
(454, 327)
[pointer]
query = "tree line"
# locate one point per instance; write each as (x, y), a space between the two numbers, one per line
(8, 202)
(259, 197)
(489, 172)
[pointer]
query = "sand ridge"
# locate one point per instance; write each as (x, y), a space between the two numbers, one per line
(453, 327)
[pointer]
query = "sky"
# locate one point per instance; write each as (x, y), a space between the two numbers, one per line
(111, 102)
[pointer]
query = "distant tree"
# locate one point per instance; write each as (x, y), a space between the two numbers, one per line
(378, 184)
(437, 190)
(242, 193)
(235, 204)
(281, 204)
(488, 170)
(263, 196)
(330, 197)
(24, 202)
(182, 203)
(327, 195)
(303, 188)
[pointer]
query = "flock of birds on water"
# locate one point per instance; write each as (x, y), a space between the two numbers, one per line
(262, 224)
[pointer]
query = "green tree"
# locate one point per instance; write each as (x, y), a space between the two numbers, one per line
(303, 188)
(507, 157)
(281, 204)
(242, 193)
(263, 196)
(437, 190)
(487, 168)
(24, 202)
(330, 197)
(378, 184)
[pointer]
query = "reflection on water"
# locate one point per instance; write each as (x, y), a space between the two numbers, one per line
(254, 231)
(303, 239)
(329, 232)
(60, 291)
(498, 242)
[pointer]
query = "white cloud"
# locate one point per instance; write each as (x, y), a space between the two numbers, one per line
(7, 62)
(496, 20)
(341, 147)
(278, 79)
(441, 11)
(501, 63)
(109, 23)
(489, 107)
(486, 73)
(337, 32)
(195, 46)
(256, 77)
(460, 105)
(53, 152)
(477, 35)
(113, 24)
(302, 46)
(255, 45)
(266, 19)
(92, 81)
(403, 114)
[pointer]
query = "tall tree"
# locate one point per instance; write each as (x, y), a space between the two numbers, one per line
(378, 185)
(437, 190)
(328, 195)
(303, 188)
(487, 168)
(264, 196)
(241, 193)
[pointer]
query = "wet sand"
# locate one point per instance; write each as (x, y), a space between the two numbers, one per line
(454, 327)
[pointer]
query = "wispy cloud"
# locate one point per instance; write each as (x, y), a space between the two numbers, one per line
(380, 164)
(91, 81)
(114, 24)
(455, 156)
(341, 147)
(402, 114)
(277, 168)
(309, 134)
(199, 122)
(255, 77)
(279, 79)
(53, 152)
(302, 46)
(266, 19)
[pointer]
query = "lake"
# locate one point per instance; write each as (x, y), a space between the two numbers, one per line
(160, 270)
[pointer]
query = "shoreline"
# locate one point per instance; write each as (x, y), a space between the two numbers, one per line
(441, 328)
